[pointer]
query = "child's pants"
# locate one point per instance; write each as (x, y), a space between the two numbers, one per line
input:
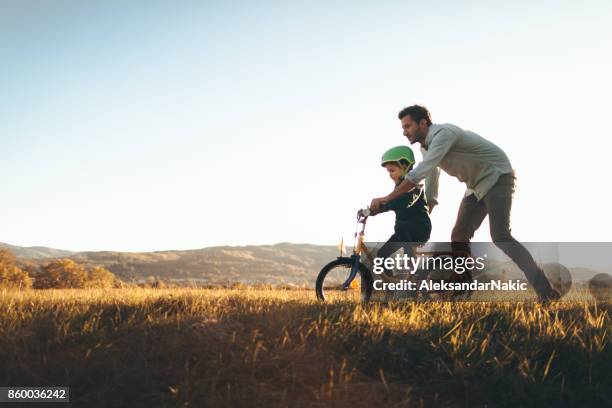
(395, 242)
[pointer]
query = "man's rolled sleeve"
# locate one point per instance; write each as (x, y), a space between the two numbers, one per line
(439, 146)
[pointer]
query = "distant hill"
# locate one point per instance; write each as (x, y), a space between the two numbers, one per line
(289, 263)
(36, 252)
(280, 263)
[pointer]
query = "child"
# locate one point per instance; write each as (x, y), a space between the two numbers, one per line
(412, 223)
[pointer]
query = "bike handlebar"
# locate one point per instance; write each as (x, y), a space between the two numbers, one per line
(363, 214)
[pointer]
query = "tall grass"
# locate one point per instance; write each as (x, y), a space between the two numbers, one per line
(223, 347)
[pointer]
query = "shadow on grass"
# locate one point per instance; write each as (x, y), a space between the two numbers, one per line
(235, 351)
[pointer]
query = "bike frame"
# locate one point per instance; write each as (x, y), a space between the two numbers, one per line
(356, 256)
(360, 248)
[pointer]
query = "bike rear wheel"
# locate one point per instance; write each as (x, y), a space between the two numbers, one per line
(334, 274)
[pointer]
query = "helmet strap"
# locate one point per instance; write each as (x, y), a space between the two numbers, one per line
(405, 168)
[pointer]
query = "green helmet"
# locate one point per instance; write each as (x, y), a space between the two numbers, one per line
(397, 153)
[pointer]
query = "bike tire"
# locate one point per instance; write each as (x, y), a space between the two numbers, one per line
(345, 264)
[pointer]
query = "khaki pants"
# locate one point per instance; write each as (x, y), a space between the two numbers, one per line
(497, 203)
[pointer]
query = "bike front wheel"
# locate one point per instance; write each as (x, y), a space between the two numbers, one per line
(334, 274)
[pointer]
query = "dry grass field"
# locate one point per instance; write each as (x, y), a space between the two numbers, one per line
(255, 347)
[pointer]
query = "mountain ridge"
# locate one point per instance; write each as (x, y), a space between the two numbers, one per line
(283, 262)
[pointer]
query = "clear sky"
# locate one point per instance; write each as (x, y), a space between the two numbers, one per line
(145, 125)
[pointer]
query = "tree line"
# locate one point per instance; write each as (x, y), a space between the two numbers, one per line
(57, 273)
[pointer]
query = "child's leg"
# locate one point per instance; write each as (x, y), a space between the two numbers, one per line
(400, 239)
(415, 233)
(392, 245)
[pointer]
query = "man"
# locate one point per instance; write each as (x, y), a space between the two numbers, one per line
(489, 177)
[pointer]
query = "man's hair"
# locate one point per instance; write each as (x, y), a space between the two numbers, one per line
(416, 112)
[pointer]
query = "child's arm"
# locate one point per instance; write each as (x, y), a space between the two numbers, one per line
(393, 205)
(383, 208)
(367, 212)
(405, 200)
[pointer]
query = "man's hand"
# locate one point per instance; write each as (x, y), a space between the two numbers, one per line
(376, 203)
